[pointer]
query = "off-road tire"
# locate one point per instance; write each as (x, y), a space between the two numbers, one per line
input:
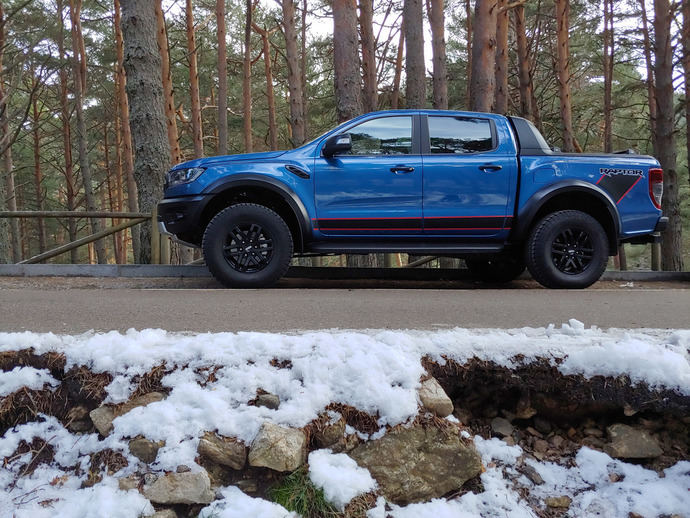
(567, 249)
(247, 246)
(497, 269)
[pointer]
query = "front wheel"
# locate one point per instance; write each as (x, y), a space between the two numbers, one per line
(247, 246)
(567, 249)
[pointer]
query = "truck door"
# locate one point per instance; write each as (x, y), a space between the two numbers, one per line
(376, 188)
(470, 177)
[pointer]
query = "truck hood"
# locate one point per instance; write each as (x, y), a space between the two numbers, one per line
(210, 161)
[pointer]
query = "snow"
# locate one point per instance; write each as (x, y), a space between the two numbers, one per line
(339, 476)
(377, 371)
(28, 377)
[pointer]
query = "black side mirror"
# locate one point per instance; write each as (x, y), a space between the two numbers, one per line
(337, 144)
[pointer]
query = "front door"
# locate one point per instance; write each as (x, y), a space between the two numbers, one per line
(376, 188)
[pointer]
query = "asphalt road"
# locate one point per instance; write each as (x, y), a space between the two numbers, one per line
(63, 308)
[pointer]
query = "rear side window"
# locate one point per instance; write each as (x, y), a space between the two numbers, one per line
(459, 135)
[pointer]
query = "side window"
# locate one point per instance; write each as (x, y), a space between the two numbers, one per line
(384, 136)
(459, 135)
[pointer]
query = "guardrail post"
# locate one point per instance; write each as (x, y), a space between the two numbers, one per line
(656, 256)
(155, 238)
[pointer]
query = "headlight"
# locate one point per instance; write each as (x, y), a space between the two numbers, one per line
(180, 176)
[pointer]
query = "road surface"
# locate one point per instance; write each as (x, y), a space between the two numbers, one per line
(64, 306)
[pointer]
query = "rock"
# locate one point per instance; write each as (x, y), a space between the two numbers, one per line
(557, 441)
(540, 445)
(629, 411)
(183, 468)
(558, 502)
(534, 432)
(542, 425)
(127, 483)
(223, 450)
(248, 485)
(509, 441)
(501, 427)
(102, 418)
(595, 432)
(524, 409)
(164, 513)
(180, 488)
(435, 399)
(532, 474)
(269, 401)
(83, 425)
(78, 413)
(630, 443)
(330, 434)
(418, 464)
(144, 449)
(278, 448)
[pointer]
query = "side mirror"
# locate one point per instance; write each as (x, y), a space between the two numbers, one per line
(337, 144)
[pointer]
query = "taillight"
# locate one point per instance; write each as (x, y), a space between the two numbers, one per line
(656, 186)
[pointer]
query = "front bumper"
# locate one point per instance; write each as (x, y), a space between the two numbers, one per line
(181, 218)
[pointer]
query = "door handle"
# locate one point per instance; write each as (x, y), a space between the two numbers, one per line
(401, 169)
(490, 168)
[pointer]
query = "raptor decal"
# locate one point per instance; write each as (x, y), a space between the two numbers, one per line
(619, 182)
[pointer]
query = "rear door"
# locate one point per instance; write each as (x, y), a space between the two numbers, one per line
(470, 174)
(376, 188)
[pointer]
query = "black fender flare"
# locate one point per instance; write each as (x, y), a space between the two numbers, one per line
(266, 182)
(528, 212)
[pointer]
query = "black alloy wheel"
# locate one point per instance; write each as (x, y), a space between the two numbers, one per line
(567, 249)
(247, 246)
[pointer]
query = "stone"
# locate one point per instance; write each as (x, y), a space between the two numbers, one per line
(223, 450)
(532, 474)
(180, 488)
(278, 448)
(557, 441)
(248, 485)
(127, 483)
(102, 418)
(435, 399)
(83, 425)
(540, 445)
(558, 502)
(629, 443)
(164, 513)
(269, 401)
(542, 425)
(595, 432)
(534, 432)
(501, 427)
(524, 409)
(183, 468)
(330, 434)
(144, 449)
(417, 464)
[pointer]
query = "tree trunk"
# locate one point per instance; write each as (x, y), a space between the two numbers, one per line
(366, 27)
(222, 80)
(79, 66)
(168, 92)
(247, 80)
(437, 21)
(297, 123)
(270, 96)
(563, 73)
(671, 246)
(415, 69)
(143, 65)
(501, 93)
(303, 68)
(38, 174)
(651, 98)
(70, 188)
(197, 135)
(126, 135)
(395, 96)
(346, 60)
(468, 71)
(483, 56)
(685, 38)
(608, 75)
(119, 194)
(523, 59)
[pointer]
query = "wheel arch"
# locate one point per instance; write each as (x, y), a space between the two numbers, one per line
(570, 195)
(264, 191)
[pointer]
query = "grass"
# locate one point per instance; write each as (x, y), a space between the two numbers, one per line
(297, 493)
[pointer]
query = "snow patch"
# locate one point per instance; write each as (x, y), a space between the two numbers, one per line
(28, 377)
(339, 476)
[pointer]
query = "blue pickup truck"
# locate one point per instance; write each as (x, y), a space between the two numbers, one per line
(479, 186)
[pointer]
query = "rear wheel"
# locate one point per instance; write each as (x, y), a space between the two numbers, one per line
(567, 249)
(496, 268)
(247, 246)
